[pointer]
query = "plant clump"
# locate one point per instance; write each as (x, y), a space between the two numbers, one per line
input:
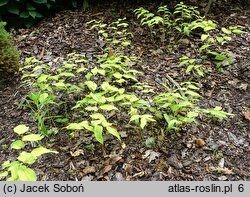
(9, 54)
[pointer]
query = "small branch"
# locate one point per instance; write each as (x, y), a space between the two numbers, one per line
(175, 84)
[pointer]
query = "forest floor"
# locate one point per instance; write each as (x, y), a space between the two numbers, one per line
(210, 150)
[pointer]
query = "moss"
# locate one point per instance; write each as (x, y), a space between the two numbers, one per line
(9, 54)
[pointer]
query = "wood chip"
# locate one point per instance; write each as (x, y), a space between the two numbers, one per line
(200, 142)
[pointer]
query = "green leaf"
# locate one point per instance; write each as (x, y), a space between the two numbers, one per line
(98, 133)
(40, 1)
(26, 174)
(218, 113)
(24, 14)
(13, 168)
(130, 76)
(42, 78)
(43, 97)
(193, 87)
(59, 85)
(192, 93)
(14, 10)
(66, 74)
(40, 151)
(91, 108)
(35, 14)
(189, 69)
(6, 164)
(96, 70)
(74, 126)
(81, 69)
(219, 39)
(3, 2)
(183, 62)
(238, 31)
(26, 157)
(204, 46)
(108, 107)
(21, 129)
(86, 125)
(98, 98)
(227, 38)
(143, 122)
(226, 31)
(113, 132)
(91, 85)
(117, 75)
(32, 137)
(18, 144)
(81, 61)
(98, 116)
(204, 37)
(4, 174)
(134, 117)
(80, 126)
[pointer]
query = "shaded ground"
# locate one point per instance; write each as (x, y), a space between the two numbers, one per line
(181, 156)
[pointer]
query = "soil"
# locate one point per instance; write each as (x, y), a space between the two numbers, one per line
(210, 150)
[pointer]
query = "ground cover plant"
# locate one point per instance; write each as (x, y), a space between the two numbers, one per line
(128, 108)
(17, 170)
(103, 90)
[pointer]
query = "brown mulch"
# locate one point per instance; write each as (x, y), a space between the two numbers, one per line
(211, 150)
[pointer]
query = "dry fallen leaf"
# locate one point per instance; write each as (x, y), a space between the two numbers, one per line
(128, 168)
(222, 162)
(170, 171)
(151, 155)
(222, 170)
(77, 153)
(106, 169)
(226, 171)
(112, 160)
(161, 165)
(200, 142)
(246, 114)
(88, 170)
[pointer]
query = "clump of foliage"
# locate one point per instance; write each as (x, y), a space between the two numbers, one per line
(26, 13)
(185, 21)
(18, 13)
(208, 50)
(9, 55)
(19, 170)
(96, 94)
(39, 103)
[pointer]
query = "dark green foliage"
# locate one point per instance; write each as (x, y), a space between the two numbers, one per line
(9, 55)
(19, 13)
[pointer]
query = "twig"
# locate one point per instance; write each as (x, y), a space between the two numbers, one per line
(175, 84)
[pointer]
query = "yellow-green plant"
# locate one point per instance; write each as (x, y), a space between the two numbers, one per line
(96, 94)
(19, 170)
(193, 65)
(181, 22)
(179, 107)
(39, 103)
